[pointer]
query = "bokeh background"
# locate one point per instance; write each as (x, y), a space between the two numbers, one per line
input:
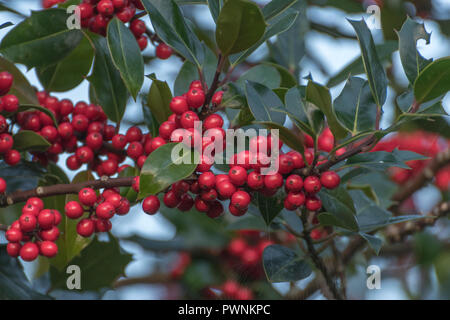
(329, 46)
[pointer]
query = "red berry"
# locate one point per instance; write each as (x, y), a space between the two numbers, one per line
(217, 98)
(238, 175)
(50, 235)
(207, 180)
(2, 185)
(72, 163)
(237, 212)
(13, 249)
(119, 4)
(6, 81)
(119, 141)
(84, 154)
(196, 84)
(65, 107)
(12, 157)
(14, 235)
(312, 184)
(237, 246)
(186, 203)
(86, 10)
(134, 134)
(166, 128)
(73, 210)
(94, 140)
(294, 183)
(195, 98)
(135, 184)
(213, 121)
(297, 199)
(85, 227)
(124, 207)
(37, 202)
(30, 208)
(330, 179)
(201, 205)
(102, 225)
(171, 199)
(313, 203)
(163, 51)
(255, 180)
(49, 249)
(315, 234)
(87, 196)
(6, 142)
(240, 199)
(46, 219)
(137, 27)
(105, 210)
(151, 205)
(80, 122)
(10, 103)
(286, 164)
(273, 181)
(157, 142)
(188, 119)
(27, 222)
(29, 251)
(226, 189)
(105, 7)
(135, 150)
(179, 105)
(215, 209)
(65, 130)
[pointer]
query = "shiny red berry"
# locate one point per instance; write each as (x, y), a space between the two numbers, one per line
(48, 249)
(312, 184)
(195, 98)
(330, 179)
(85, 227)
(29, 251)
(163, 51)
(151, 205)
(73, 210)
(87, 196)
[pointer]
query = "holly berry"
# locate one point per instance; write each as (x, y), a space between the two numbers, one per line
(163, 51)
(105, 7)
(213, 121)
(29, 251)
(6, 81)
(50, 234)
(137, 27)
(87, 196)
(84, 154)
(13, 249)
(105, 210)
(195, 98)
(312, 184)
(330, 179)
(151, 205)
(297, 199)
(240, 199)
(46, 219)
(73, 210)
(85, 227)
(2, 185)
(10, 103)
(48, 249)
(215, 210)
(226, 189)
(14, 235)
(27, 222)
(255, 180)
(238, 175)
(313, 203)
(188, 119)
(12, 157)
(217, 98)
(207, 180)
(179, 105)
(273, 181)
(171, 199)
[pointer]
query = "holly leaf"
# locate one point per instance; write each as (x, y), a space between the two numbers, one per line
(433, 81)
(26, 140)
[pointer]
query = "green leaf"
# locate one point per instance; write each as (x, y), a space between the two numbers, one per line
(24, 175)
(14, 285)
(269, 207)
(70, 244)
(262, 102)
(320, 96)
(374, 242)
(69, 72)
(433, 81)
(150, 121)
(384, 52)
(286, 135)
(26, 140)
(248, 222)
(21, 88)
(101, 263)
(355, 107)
(107, 85)
(296, 108)
(214, 7)
(159, 171)
(158, 100)
(126, 55)
(263, 74)
(170, 25)
(372, 65)
(282, 264)
(239, 26)
(274, 29)
(36, 43)
(380, 160)
(412, 60)
(276, 7)
(339, 205)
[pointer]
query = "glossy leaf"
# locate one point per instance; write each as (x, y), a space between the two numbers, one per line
(263, 74)
(339, 205)
(239, 26)
(26, 140)
(276, 7)
(214, 7)
(320, 96)
(282, 264)
(355, 107)
(413, 62)
(262, 102)
(269, 207)
(170, 25)
(92, 262)
(107, 85)
(36, 43)
(69, 72)
(433, 81)
(70, 244)
(158, 100)
(160, 170)
(380, 160)
(21, 88)
(126, 55)
(14, 284)
(372, 65)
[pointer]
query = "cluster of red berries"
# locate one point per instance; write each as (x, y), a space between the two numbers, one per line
(96, 14)
(100, 208)
(427, 144)
(9, 104)
(35, 232)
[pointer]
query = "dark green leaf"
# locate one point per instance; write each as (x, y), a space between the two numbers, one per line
(126, 55)
(69, 72)
(263, 74)
(276, 7)
(372, 65)
(159, 171)
(150, 120)
(107, 85)
(214, 7)
(262, 102)
(21, 88)
(408, 36)
(26, 140)
(355, 107)
(36, 43)
(70, 244)
(339, 204)
(433, 81)
(320, 96)
(374, 242)
(239, 26)
(384, 52)
(380, 160)
(282, 264)
(248, 222)
(101, 263)
(170, 25)
(158, 100)
(269, 207)
(14, 285)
